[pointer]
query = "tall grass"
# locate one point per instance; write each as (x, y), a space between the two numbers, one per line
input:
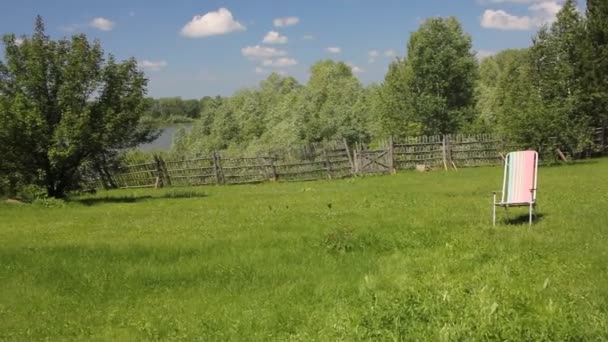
(405, 257)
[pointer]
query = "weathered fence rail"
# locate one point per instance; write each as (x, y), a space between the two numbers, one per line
(336, 160)
(313, 164)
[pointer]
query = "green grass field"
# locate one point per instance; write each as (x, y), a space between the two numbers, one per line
(405, 257)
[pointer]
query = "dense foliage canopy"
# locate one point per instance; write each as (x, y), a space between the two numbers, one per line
(65, 109)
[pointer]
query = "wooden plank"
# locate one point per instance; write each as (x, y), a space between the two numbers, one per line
(244, 175)
(302, 172)
(418, 144)
(135, 172)
(195, 176)
(188, 160)
(191, 169)
(300, 164)
(418, 152)
(250, 166)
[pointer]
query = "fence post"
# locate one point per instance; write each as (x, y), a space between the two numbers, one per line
(159, 173)
(444, 152)
(273, 169)
(216, 168)
(327, 165)
(391, 155)
(350, 157)
(166, 178)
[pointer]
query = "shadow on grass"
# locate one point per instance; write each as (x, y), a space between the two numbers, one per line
(552, 164)
(134, 199)
(523, 219)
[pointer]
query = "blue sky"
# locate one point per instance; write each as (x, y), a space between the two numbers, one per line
(208, 47)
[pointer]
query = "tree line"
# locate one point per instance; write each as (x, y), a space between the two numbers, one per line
(554, 92)
(177, 110)
(68, 111)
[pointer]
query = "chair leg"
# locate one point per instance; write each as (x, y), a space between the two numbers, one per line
(494, 211)
(531, 210)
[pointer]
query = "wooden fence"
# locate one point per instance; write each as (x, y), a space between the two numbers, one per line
(310, 163)
(336, 160)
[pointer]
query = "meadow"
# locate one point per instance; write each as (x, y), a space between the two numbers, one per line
(411, 256)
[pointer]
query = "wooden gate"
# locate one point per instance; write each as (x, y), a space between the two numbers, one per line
(374, 161)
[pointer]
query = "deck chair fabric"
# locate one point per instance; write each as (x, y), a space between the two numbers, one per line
(519, 182)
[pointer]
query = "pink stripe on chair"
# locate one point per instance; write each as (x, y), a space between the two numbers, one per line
(521, 176)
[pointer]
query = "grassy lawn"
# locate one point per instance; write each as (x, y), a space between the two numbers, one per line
(405, 257)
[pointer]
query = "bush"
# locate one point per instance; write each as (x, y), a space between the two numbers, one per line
(30, 193)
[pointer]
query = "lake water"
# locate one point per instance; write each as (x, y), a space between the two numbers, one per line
(165, 139)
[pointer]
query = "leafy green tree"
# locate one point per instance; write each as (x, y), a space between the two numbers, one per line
(331, 111)
(595, 81)
(488, 92)
(538, 98)
(556, 54)
(393, 103)
(440, 76)
(518, 110)
(63, 105)
(208, 108)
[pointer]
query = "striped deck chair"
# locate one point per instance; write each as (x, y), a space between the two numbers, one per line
(519, 183)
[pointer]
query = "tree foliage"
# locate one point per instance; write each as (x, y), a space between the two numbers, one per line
(431, 91)
(595, 81)
(538, 96)
(63, 106)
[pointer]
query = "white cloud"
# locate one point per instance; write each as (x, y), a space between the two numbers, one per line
(212, 24)
(334, 49)
(102, 24)
(274, 37)
(545, 12)
(355, 69)
(286, 21)
(483, 54)
(390, 53)
(260, 70)
(280, 62)
(541, 12)
(308, 37)
(261, 52)
(282, 73)
(153, 65)
(502, 20)
(18, 41)
(131, 13)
